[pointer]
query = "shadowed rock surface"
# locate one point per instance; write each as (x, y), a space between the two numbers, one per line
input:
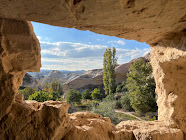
(160, 23)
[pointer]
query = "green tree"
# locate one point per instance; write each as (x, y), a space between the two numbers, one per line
(27, 92)
(121, 87)
(96, 94)
(46, 87)
(41, 96)
(73, 97)
(125, 102)
(56, 96)
(141, 87)
(109, 76)
(55, 86)
(86, 95)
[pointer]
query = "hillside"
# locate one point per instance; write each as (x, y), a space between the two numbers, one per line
(94, 78)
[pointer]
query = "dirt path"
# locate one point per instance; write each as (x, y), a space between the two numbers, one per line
(128, 113)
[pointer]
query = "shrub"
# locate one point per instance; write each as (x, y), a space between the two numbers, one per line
(125, 102)
(96, 94)
(106, 109)
(73, 97)
(27, 92)
(86, 95)
(118, 104)
(40, 96)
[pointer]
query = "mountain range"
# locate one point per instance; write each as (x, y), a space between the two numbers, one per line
(78, 80)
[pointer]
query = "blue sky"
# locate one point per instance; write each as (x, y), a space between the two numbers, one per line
(72, 49)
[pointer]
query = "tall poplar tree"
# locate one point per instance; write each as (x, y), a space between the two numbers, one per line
(109, 76)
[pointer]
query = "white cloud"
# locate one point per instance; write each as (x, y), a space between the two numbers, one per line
(39, 37)
(120, 42)
(78, 56)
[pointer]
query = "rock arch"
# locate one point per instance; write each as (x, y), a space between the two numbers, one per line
(159, 23)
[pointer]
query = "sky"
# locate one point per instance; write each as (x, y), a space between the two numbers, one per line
(72, 49)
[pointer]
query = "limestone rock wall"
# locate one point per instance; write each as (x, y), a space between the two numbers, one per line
(142, 20)
(19, 52)
(159, 23)
(168, 59)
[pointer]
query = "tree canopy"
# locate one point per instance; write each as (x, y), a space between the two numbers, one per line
(86, 95)
(109, 76)
(96, 94)
(27, 92)
(73, 97)
(141, 87)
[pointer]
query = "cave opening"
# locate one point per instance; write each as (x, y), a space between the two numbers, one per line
(73, 59)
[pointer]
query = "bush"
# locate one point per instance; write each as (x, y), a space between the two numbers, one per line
(109, 97)
(27, 92)
(118, 104)
(40, 96)
(86, 95)
(56, 96)
(121, 87)
(73, 97)
(96, 94)
(125, 102)
(106, 109)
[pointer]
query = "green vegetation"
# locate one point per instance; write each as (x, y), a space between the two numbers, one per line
(86, 95)
(106, 109)
(125, 117)
(141, 87)
(50, 92)
(125, 102)
(109, 76)
(73, 97)
(27, 92)
(55, 86)
(42, 96)
(96, 94)
(137, 93)
(121, 87)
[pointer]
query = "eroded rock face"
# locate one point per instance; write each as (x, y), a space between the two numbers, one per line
(19, 52)
(168, 59)
(145, 21)
(159, 23)
(33, 120)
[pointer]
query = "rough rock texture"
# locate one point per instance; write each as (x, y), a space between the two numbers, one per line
(19, 52)
(29, 81)
(161, 23)
(142, 20)
(143, 130)
(91, 78)
(57, 76)
(89, 126)
(168, 59)
(33, 120)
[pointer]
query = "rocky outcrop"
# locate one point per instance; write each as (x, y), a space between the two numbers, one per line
(58, 77)
(27, 118)
(145, 21)
(29, 81)
(94, 78)
(91, 78)
(160, 23)
(168, 59)
(19, 53)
